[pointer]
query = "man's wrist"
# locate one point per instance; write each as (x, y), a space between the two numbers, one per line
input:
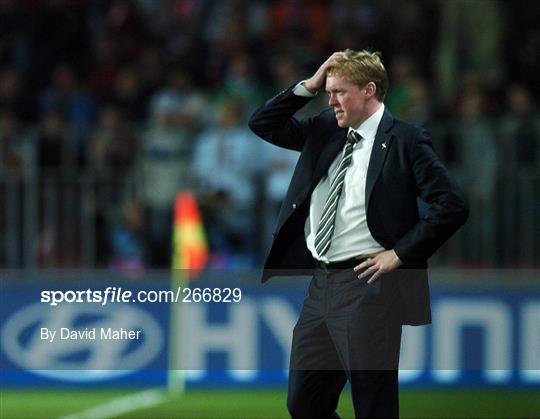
(398, 259)
(301, 90)
(309, 87)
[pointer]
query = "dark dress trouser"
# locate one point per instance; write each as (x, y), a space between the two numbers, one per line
(347, 330)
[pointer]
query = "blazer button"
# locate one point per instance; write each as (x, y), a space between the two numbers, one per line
(294, 206)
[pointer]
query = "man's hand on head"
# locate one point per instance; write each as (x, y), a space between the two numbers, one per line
(378, 264)
(316, 82)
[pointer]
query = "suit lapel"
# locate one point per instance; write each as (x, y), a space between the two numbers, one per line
(328, 153)
(381, 145)
(334, 145)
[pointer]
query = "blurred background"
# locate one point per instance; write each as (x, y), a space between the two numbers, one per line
(109, 108)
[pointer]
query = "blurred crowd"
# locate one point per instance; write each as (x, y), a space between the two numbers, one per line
(156, 94)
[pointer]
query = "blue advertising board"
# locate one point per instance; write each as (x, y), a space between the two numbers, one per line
(488, 336)
(84, 349)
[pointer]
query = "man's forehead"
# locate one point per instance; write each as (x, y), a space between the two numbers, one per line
(337, 80)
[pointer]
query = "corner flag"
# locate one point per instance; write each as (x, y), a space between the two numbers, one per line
(190, 249)
(190, 255)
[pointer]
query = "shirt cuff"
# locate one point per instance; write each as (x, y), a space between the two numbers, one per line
(300, 90)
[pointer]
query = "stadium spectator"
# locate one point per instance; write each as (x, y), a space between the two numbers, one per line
(52, 143)
(128, 95)
(164, 167)
(462, 46)
(519, 147)
(17, 148)
(69, 96)
(149, 69)
(109, 122)
(475, 136)
(129, 250)
(13, 95)
(239, 82)
(226, 161)
(104, 67)
(520, 131)
(408, 97)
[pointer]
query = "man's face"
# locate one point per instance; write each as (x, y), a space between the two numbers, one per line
(347, 99)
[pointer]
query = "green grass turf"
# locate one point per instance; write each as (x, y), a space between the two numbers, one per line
(270, 404)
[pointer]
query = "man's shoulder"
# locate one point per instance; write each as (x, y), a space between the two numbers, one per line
(407, 131)
(406, 127)
(323, 121)
(328, 115)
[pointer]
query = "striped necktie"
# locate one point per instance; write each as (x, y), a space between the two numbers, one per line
(323, 238)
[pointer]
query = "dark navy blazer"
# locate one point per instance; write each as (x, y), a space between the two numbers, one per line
(402, 168)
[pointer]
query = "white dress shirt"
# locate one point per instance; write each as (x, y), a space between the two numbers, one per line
(351, 235)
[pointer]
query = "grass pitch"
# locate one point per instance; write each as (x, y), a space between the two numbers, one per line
(239, 404)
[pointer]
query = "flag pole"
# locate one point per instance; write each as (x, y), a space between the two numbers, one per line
(176, 381)
(190, 254)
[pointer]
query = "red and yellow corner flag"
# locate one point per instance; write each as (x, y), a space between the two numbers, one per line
(190, 250)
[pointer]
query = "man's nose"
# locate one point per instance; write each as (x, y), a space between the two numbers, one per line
(332, 100)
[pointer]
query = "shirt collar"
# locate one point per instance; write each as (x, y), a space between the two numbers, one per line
(368, 128)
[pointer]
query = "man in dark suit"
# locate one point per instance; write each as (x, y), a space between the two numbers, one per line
(351, 214)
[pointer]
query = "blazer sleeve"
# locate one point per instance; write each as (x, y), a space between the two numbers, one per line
(447, 206)
(274, 121)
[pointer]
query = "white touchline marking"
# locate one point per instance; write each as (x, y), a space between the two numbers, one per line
(122, 405)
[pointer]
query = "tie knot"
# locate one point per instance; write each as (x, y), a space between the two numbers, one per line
(353, 137)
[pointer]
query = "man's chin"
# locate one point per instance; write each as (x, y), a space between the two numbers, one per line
(342, 123)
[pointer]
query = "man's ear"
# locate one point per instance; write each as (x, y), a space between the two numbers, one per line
(371, 89)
